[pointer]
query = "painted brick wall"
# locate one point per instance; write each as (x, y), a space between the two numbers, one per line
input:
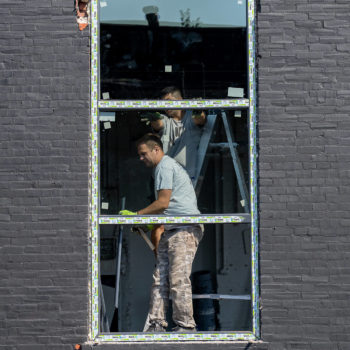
(44, 107)
(304, 135)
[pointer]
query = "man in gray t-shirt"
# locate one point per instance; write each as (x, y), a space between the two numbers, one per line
(181, 139)
(177, 245)
(180, 132)
(169, 174)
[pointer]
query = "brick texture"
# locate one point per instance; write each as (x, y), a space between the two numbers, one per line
(304, 138)
(304, 176)
(44, 141)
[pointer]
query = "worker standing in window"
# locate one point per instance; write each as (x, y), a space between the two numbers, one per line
(177, 245)
(180, 131)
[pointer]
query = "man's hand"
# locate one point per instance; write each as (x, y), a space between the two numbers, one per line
(199, 117)
(156, 234)
(146, 227)
(127, 212)
(149, 117)
(155, 118)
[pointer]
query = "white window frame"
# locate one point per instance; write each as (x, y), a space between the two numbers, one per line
(96, 219)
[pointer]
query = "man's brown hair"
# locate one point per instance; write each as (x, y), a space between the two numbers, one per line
(150, 140)
(172, 90)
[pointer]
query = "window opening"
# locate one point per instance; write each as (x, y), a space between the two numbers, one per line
(216, 159)
(198, 46)
(204, 52)
(219, 304)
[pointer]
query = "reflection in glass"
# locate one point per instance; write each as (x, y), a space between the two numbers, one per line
(197, 45)
(186, 13)
(215, 156)
(221, 273)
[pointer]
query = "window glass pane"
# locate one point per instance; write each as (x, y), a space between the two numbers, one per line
(215, 155)
(221, 274)
(199, 46)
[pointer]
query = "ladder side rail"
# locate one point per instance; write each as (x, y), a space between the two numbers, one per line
(236, 163)
(120, 247)
(203, 145)
(104, 319)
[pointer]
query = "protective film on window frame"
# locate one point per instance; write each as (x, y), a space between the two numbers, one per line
(184, 72)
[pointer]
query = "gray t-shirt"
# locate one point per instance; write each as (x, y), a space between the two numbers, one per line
(169, 175)
(180, 141)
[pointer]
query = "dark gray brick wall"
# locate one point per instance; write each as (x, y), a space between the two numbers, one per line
(44, 162)
(304, 138)
(304, 143)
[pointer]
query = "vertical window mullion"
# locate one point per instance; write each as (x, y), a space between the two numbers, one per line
(94, 164)
(97, 218)
(253, 166)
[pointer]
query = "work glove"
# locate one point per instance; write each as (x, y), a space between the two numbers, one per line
(127, 212)
(151, 117)
(148, 227)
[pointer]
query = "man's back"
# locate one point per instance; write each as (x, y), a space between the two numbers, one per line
(170, 175)
(181, 140)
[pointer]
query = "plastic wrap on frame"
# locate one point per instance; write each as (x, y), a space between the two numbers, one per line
(95, 220)
(94, 170)
(144, 337)
(253, 166)
(193, 104)
(130, 220)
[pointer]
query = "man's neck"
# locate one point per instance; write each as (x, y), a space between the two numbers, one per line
(179, 118)
(159, 159)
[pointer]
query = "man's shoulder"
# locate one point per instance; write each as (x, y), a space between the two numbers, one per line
(166, 119)
(167, 163)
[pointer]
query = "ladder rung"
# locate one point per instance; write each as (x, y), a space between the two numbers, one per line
(221, 296)
(222, 144)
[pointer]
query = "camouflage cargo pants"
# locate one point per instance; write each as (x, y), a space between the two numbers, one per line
(171, 276)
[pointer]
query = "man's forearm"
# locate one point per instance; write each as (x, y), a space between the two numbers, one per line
(157, 207)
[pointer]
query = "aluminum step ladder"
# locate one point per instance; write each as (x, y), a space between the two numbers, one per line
(205, 143)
